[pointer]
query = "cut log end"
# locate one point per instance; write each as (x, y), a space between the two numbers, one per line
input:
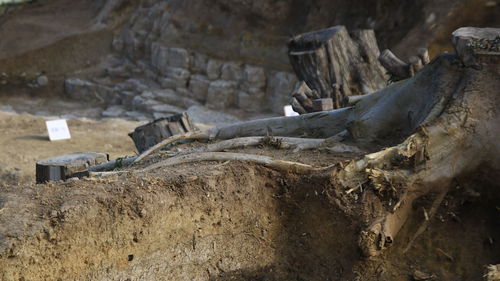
(152, 133)
(67, 166)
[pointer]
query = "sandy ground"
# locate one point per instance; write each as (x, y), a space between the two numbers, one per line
(24, 140)
(40, 25)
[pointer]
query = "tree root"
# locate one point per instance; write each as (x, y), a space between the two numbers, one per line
(188, 136)
(227, 156)
(297, 144)
(429, 215)
(493, 272)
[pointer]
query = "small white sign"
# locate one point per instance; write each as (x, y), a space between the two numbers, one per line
(289, 111)
(58, 130)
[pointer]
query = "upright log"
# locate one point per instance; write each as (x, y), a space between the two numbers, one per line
(152, 133)
(337, 65)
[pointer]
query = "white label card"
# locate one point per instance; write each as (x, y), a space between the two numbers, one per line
(289, 111)
(58, 130)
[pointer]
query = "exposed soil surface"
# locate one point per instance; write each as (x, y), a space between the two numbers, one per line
(229, 221)
(209, 220)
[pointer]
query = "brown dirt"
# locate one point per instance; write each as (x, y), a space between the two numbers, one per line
(47, 37)
(227, 221)
(24, 140)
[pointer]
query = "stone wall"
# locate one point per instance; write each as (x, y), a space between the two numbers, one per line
(147, 62)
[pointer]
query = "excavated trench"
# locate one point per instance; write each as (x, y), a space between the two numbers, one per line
(232, 221)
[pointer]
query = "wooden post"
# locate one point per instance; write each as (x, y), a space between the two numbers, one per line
(394, 65)
(67, 166)
(152, 133)
(423, 54)
(323, 104)
(331, 57)
(416, 64)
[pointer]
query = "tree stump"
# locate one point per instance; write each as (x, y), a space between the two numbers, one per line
(337, 64)
(152, 133)
(67, 166)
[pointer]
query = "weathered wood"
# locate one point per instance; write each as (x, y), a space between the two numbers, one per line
(394, 65)
(170, 140)
(67, 166)
(322, 104)
(297, 107)
(305, 101)
(152, 133)
(228, 156)
(472, 44)
(416, 64)
(280, 142)
(493, 273)
(302, 97)
(111, 165)
(313, 125)
(331, 57)
(423, 54)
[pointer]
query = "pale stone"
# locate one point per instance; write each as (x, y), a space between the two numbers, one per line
(231, 71)
(179, 74)
(204, 118)
(148, 95)
(76, 88)
(198, 86)
(279, 87)
(143, 104)
(214, 69)
(221, 94)
(174, 78)
(159, 55)
(179, 98)
(132, 84)
(178, 58)
(252, 100)
(125, 98)
(113, 111)
(136, 115)
(166, 108)
(87, 91)
(132, 44)
(254, 76)
(199, 63)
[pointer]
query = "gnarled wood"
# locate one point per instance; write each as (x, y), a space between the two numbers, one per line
(394, 65)
(227, 156)
(331, 57)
